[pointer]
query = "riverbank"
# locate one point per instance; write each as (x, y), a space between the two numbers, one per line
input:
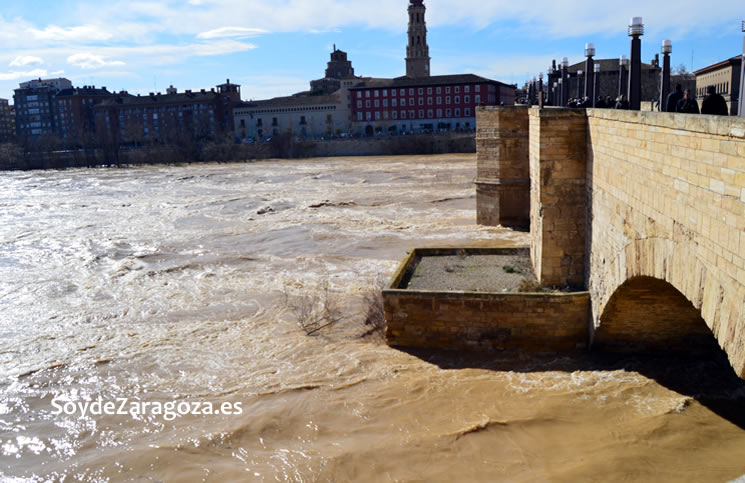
(13, 158)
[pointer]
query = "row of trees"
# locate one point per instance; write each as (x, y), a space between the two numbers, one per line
(50, 152)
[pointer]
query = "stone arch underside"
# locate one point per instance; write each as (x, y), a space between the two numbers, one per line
(688, 291)
(649, 315)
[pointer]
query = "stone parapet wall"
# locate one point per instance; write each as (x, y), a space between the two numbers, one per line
(558, 173)
(474, 321)
(668, 201)
(395, 145)
(541, 322)
(502, 182)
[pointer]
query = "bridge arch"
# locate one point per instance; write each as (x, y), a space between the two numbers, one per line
(649, 315)
(658, 294)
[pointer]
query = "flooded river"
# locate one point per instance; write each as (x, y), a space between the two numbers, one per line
(165, 284)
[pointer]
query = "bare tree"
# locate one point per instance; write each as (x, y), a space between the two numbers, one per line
(681, 69)
(372, 298)
(316, 310)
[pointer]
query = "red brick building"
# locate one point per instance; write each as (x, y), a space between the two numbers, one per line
(419, 101)
(74, 116)
(166, 118)
(429, 103)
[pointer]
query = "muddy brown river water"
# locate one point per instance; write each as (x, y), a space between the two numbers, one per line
(164, 284)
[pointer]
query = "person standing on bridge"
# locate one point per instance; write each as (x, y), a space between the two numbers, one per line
(688, 104)
(674, 98)
(622, 103)
(714, 103)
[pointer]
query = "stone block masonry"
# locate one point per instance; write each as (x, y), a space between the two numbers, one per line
(641, 207)
(503, 179)
(666, 193)
(558, 174)
(482, 321)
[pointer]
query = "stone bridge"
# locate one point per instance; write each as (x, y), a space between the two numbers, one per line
(645, 210)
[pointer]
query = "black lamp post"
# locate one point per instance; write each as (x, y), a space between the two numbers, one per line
(741, 99)
(596, 70)
(636, 30)
(667, 49)
(550, 82)
(590, 68)
(555, 95)
(541, 95)
(564, 81)
(579, 83)
(623, 76)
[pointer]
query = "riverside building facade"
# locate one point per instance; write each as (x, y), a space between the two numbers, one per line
(36, 107)
(432, 103)
(170, 117)
(74, 113)
(725, 77)
(342, 103)
(7, 125)
(324, 110)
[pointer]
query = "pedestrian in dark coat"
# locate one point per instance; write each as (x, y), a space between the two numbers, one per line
(622, 103)
(713, 103)
(674, 98)
(688, 104)
(600, 103)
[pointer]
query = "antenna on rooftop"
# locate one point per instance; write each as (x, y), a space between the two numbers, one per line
(692, 51)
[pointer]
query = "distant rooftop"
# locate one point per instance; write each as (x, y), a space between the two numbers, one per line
(85, 90)
(429, 81)
(178, 98)
(731, 61)
(58, 83)
(297, 100)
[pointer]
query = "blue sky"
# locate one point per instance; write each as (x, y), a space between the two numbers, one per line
(275, 48)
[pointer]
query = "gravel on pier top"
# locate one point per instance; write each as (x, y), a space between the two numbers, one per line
(472, 273)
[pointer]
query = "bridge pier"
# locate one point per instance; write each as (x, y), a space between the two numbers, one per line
(558, 198)
(503, 179)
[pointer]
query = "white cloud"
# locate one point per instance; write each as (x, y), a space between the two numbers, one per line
(86, 60)
(234, 32)
(24, 60)
(221, 47)
(8, 76)
(318, 31)
(545, 18)
(85, 33)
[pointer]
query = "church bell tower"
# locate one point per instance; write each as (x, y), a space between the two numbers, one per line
(417, 52)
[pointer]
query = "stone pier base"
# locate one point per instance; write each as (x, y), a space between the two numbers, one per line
(503, 180)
